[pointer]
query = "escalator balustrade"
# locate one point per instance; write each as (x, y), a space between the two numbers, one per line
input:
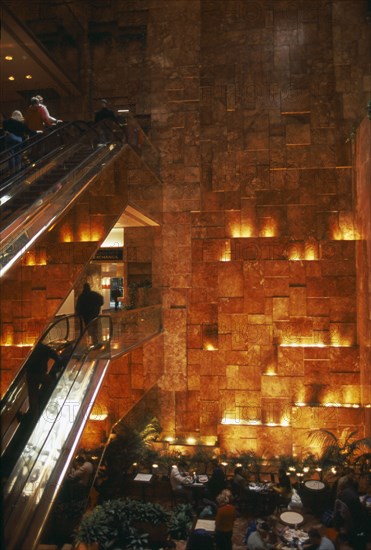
(37, 476)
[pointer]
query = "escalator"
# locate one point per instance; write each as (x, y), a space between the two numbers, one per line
(39, 463)
(35, 198)
(60, 337)
(57, 169)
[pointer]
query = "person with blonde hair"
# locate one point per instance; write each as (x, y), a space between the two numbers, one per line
(224, 520)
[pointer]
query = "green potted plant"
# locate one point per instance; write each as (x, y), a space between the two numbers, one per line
(338, 452)
(124, 523)
(181, 522)
(200, 459)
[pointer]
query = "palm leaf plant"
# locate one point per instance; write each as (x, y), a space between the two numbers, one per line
(338, 451)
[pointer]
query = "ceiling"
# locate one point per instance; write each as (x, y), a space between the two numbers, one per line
(132, 217)
(26, 66)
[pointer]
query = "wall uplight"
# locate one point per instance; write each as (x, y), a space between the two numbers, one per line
(209, 347)
(226, 252)
(8, 58)
(28, 76)
(11, 77)
(269, 228)
(98, 417)
(246, 231)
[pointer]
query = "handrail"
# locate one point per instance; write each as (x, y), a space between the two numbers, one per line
(13, 401)
(36, 478)
(61, 319)
(16, 237)
(62, 193)
(39, 139)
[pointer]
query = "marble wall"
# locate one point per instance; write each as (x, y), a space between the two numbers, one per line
(254, 107)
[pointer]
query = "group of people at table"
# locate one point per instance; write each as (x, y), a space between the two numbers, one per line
(350, 522)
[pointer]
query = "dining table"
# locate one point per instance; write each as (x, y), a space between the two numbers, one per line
(291, 518)
(198, 487)
(293, 537)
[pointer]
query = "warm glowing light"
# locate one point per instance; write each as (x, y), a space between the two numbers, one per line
(346, 231)
(333, 470)
(28, 76)
(284, 422)
(338, 340)
(238, 465)
(209, 347)
(294, 252)
(330, 404)
(236, 232)
(302, 345)
(269, 229)
(96, 235)
(237, 422)
(155, 466)
(226, 255)
(306, 469)
(98, 417)
(191, 441)
(9, 58)
(8, 340)
(246, 231)
(270, 371)
(210, 441)
(224, 464)
(106, 282)
(84, 235)
(300, 404)
(310, 251)
(11, 77)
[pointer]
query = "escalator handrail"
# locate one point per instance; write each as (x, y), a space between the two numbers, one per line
(22, 370)
(8, 154)
(60, 133)
(33, 209)
(36, 165)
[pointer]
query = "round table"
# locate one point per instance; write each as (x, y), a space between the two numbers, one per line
(314, 485)
(291, 518)
(313, 495)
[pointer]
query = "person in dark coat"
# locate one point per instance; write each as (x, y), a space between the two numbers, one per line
(116, 293)
(88, 306)
(38, 375)
(217, 481)
(104, 112)
(15, 132)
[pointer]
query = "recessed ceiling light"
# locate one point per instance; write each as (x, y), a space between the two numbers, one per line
(11, 77)
(9, 57)
(28, 76)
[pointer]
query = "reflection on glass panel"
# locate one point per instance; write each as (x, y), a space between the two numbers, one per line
(135, 326)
